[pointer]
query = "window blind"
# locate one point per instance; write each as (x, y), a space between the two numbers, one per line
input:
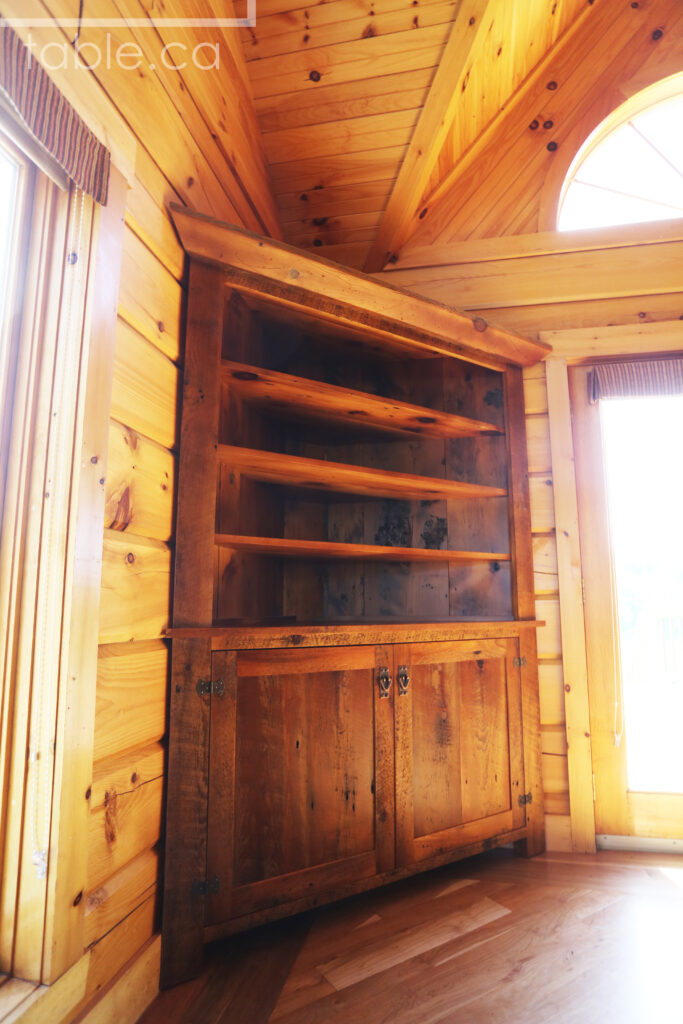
(636, 378)
(50, 119)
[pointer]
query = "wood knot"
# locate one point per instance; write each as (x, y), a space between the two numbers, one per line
(479, 324)
(315, 76)
(551, 86)
(111, 825)
(130, 557)
(551, 147)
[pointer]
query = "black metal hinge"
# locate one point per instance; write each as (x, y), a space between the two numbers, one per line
(524, 798)
(519, 662)
(206, 687)
(205, 888)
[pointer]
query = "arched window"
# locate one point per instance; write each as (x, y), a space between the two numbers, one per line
(630, 169)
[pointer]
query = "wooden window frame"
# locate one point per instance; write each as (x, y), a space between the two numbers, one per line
(9, 327)
(50, 573)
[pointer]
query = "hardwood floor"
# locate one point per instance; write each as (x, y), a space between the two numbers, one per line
(492, 940)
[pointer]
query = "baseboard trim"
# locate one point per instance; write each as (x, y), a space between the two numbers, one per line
(639, 844)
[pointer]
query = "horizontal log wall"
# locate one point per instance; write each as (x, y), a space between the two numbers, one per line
(550, 676)
(198, 144)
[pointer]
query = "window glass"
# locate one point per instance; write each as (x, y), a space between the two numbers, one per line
(633, 174)
(9, 185)
(644, 478)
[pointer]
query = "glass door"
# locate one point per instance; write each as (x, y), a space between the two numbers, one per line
(630, 491)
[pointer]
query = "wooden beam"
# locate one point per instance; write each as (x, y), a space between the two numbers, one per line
(468, 36)
(537, 243)
(572, 623)
(559, 276)
(344, 297)
(595, 56)
(590, 343)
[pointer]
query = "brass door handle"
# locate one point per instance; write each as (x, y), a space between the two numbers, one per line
(384, 683)
(403, 680)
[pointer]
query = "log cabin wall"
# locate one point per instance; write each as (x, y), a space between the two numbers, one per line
(197, 143)
(596, 293)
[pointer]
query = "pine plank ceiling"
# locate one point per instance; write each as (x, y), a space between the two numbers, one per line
(356, 122)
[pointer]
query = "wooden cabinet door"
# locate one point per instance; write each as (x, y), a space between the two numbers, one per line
(301, 775)
(459, 758)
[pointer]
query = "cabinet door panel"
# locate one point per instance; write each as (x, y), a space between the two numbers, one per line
(305, 807)
(293, 753)
(458, 746)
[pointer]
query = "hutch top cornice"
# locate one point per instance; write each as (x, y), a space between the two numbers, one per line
(299, 283)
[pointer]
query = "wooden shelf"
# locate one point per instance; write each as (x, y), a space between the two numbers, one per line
(300, 397)
(336, 477)
(287, 548)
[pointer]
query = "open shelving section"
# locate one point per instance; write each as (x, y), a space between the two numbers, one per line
(363, 443)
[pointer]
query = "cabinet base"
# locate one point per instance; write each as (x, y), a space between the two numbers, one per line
(519, 837)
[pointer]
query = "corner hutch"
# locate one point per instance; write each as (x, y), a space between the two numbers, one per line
(354, 689)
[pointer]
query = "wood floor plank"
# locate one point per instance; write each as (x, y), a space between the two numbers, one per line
(560, 937)
(412, 942)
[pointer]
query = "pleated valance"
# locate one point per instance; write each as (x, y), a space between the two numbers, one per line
(49, 118)
(636, 378)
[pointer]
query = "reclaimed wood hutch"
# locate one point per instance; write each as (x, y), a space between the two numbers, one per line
(354, 690)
